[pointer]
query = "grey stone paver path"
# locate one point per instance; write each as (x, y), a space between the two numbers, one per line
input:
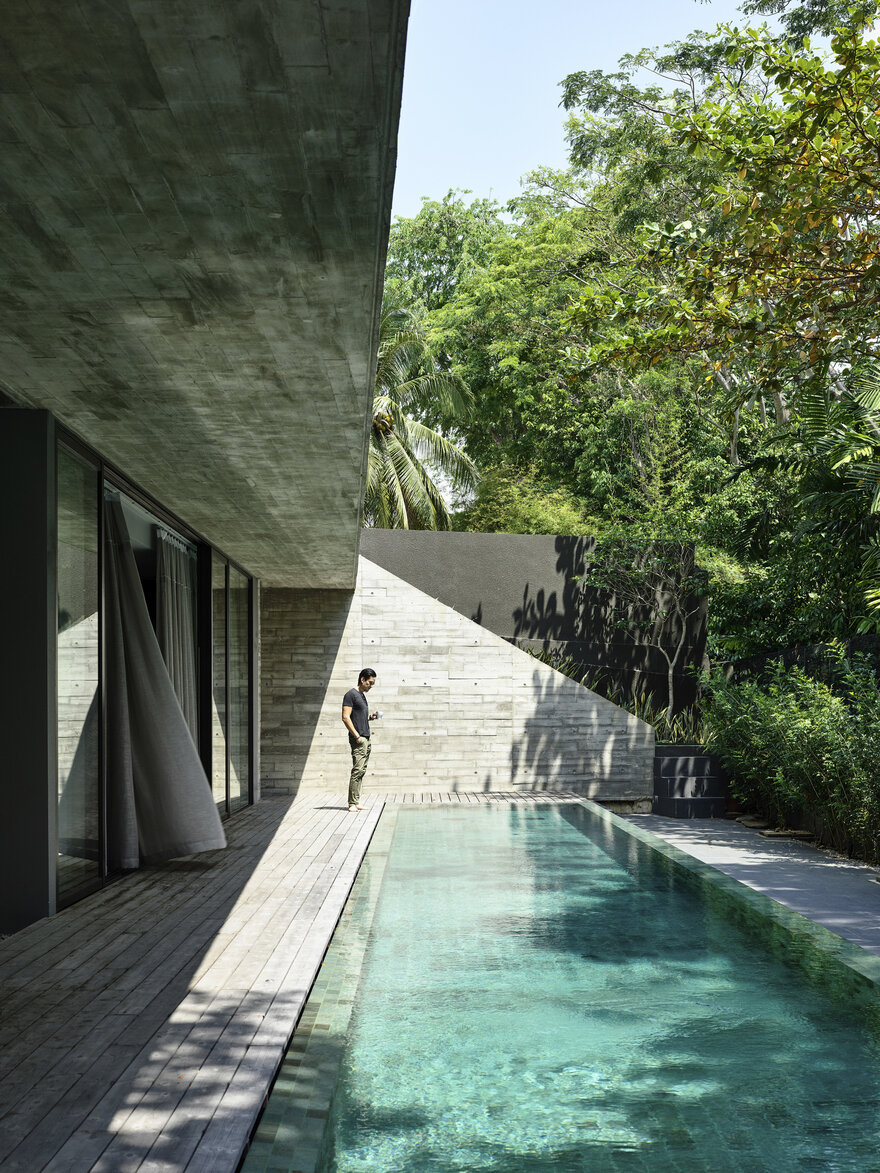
(836, 892)
(141, 1028)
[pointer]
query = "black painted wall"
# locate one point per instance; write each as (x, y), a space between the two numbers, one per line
(523, 587)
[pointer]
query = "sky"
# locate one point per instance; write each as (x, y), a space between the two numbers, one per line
(481, 83)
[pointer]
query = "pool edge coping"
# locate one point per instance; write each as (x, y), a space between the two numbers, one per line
(861, 962)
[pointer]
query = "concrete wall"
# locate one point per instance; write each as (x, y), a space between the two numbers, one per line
(526, 588)
(464, 709)
(199, 195)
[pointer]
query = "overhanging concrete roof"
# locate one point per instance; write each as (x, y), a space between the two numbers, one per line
(194, 205)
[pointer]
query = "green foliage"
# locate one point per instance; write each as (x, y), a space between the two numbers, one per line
(660, 345)
(400, 490)
(430, 254)
(618, 129)
(510, 501)
(812, 17)
(614, 386)
(687, 727)
(809, 543)
(776, 274)
(623, 443)
(800, 595)
(502, 334)
(804, 752)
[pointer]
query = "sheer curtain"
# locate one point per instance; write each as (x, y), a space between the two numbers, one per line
(158, 798)
(176, 621)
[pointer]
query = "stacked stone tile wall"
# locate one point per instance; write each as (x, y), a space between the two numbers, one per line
(463, 708)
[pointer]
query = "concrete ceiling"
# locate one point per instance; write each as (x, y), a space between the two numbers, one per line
(194, 205)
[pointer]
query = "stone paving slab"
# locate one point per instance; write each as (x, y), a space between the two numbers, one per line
(829, 889)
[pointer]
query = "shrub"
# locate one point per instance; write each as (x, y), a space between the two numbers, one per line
(511, 501)
(805, 752)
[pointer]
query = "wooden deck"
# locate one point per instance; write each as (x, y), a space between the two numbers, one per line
(141, 1028)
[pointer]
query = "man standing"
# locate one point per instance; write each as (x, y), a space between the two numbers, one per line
(356, 718)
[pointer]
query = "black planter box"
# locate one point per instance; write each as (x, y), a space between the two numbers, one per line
(689, 783)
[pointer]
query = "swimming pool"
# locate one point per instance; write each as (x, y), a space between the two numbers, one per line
(532, 989)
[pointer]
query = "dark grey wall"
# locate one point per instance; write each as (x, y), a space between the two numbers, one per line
(523, 587)
(28, 721)
(513, 584)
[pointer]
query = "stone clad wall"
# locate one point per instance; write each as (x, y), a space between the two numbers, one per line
(464, 709)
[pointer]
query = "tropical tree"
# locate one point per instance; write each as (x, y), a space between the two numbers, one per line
(776, 274)
(512, 500)
(407, 457)
(431, 253)
(836, 451)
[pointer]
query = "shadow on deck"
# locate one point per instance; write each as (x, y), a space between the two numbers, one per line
(141, 1028)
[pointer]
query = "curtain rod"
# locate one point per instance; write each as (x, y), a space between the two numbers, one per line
(174, 540)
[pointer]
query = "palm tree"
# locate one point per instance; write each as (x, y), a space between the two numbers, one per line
(406, 454)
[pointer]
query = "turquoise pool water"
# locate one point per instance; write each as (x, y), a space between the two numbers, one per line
(542, 992)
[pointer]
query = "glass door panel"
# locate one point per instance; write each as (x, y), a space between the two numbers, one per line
(239, 691)
(218, 695)
(80, 849)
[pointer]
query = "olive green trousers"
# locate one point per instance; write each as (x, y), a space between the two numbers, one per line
(360, 755)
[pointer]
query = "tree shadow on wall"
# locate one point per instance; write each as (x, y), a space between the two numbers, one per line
(557, 614)
(569, 745)
(605, 644)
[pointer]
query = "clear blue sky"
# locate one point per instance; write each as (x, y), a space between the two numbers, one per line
(481, 86)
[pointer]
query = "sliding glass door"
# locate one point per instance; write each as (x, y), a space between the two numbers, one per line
(80, 815)
(232, 662)
(219, 701)
(200, 608)
(239, 688)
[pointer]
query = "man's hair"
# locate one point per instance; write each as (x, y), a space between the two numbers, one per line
(366, 673)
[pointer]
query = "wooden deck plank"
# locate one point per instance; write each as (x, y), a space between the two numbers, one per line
(142, 1027)
(73, 969)
(190, 1071)
(243, 1096)
(103, 909)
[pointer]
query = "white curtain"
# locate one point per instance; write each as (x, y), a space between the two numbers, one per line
(176, 622)
(159, 802)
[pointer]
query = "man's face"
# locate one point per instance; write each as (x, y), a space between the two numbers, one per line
(367, 683)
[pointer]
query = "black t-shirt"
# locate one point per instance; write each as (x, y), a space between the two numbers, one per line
(360, 711)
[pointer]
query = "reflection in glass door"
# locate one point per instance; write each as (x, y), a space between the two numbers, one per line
(218, 691)
(80, 848)
(239, 692)
(231, 662)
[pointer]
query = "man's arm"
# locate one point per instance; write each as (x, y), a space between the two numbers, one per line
(346, 721)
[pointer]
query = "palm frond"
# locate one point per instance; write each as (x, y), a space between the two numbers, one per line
(400, 492)
(867, 388)
(438, 390)
(421, 500)
(431, 446)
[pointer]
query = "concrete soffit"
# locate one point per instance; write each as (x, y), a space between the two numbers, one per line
(193, 221)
